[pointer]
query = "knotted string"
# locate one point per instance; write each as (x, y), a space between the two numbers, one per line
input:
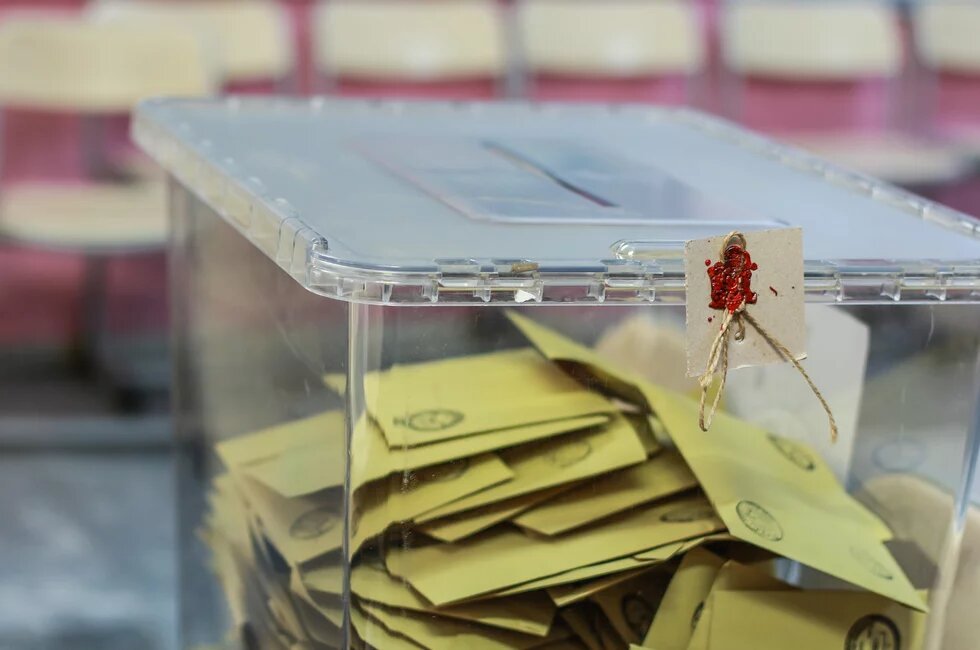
(718, 355)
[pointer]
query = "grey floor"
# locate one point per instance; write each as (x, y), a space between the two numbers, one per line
(87, 519)
(87, 551)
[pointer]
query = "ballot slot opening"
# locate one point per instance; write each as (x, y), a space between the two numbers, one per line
(533, 167)
(554, 181)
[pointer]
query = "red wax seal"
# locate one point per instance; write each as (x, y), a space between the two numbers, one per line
(731, 280)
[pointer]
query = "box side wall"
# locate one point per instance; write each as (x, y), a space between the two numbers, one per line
(256, 354)
(251, 348)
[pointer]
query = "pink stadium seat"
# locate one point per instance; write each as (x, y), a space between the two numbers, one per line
(794, 66)
(39, 297)
(41, 145)
(947, 47)
(779, 106)
(64, 200)
(825, 76)
(652, 90)
(449, 90)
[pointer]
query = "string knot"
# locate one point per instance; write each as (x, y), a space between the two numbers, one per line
(731, 291)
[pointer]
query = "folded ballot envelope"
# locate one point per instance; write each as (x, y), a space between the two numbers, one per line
(664, 475)
(526, 613)
(746, 609)
(426, 403)
(811, 620)
(448, 573)
(771, 492)
(683, 601)
(397, 499)
(768, 498)
(557, 461)
(294, 458)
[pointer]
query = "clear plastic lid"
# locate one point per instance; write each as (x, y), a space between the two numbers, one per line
(500, 202)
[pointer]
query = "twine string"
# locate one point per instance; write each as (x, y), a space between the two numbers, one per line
(718, 357)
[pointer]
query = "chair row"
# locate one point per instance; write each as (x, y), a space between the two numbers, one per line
(67, 83)
(614, 50)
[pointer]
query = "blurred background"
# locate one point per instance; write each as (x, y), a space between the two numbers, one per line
(87, 556)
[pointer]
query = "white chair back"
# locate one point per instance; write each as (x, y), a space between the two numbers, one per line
(251, 37)
(409, 39)
(616, 38)
(799, 39)
(76, 65)
(947, 35)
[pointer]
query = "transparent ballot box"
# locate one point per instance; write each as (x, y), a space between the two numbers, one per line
(432, 387)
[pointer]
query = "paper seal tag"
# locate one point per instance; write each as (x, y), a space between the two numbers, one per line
(772, 291)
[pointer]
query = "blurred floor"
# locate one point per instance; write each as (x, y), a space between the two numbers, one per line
(87, 553)
(87, 539)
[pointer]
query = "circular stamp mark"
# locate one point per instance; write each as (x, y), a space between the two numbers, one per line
(873, 632)
(570, 453)
(431, 420)
(759, 521)
(314, 523)
(872, 564)
(793, 452)
(687, 513)
(638, 613)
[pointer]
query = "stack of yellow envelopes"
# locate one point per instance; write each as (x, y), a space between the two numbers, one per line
(541, 498)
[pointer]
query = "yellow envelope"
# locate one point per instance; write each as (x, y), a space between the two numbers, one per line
(780, 504)
(456, 527)
(684, 547)
(440, 633)
(630, 604)
(402, 498)
(232, 571)
(564, 644)
(371, 459)
(663, 475)
(500, 559)
(569, 594)
(588, 366)
(325, 575)
(650, 430)
(294, 458)
(330, 608)
(528, 613)
(319, 628)
(812, 620)
(227, 515)
(559, 461)
(770, 492)
(424, 403)
(377, 636)
(272, 441)
(301, 528)
(681, 606)
(588, 572)
(732, 576)
(591, 627)
(780, 456)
